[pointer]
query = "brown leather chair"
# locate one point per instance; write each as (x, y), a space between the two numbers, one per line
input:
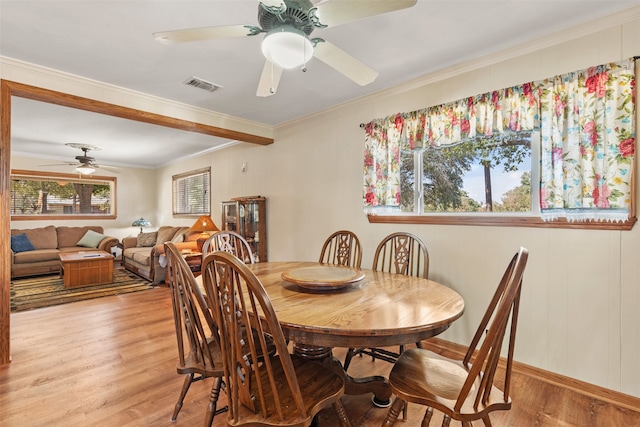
(281, 390)
(400, 253)
(342, 248)
(464, 389)
(198, 348)
(229, 241)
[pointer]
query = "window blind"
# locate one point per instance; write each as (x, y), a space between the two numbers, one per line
(191, 193)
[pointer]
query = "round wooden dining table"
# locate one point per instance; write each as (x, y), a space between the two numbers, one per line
(380, 309)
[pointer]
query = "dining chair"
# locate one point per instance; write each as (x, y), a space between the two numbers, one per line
(465, 390)
(282, 390)
(342, 248)
(198, 348)
(400, 253)
(229, 241)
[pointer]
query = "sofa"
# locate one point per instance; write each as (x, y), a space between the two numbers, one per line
(144, 254)
(36, 249)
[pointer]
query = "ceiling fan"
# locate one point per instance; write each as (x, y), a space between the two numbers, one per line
(288, 25)
(85, 164)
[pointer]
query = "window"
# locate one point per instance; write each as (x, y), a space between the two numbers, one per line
(191, 193)
(569, 141)
(35, 195)
(480, 175)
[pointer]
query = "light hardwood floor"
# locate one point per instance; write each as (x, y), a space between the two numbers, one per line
(111, 362)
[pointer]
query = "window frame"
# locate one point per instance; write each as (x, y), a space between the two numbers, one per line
(500, 221)
(35, 175)
(206, 196)
(503, 219)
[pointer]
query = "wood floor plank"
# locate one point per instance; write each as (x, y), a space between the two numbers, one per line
(111, 362)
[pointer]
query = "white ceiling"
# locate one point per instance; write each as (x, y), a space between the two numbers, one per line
(111, 41)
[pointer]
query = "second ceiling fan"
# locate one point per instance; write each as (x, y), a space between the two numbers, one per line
(287, 25)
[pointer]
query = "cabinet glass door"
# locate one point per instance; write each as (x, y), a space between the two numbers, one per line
(230, 216)
(247, 218)
(249, 215)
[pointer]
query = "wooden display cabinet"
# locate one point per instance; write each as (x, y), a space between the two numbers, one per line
(247, 217)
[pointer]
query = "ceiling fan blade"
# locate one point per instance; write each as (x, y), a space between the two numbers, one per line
(338, 12)
(60, 164)
(204, 33)
(269, 79)
(344, 63)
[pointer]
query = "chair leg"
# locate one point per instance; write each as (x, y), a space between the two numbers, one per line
(347, 358)
(342, 414)
(188, 379)
(446, 420)
(393, 413)
(486, 421)
(427, 417)
(418, 344)
(213, 402)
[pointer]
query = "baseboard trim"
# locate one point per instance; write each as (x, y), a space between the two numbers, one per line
(617, 398)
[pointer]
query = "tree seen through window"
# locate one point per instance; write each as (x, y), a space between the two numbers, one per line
(487, 174)
(35, 194)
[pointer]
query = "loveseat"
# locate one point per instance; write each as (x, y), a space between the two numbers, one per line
(144, 254)
(36, 249)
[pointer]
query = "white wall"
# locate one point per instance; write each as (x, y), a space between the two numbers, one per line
(579, 314)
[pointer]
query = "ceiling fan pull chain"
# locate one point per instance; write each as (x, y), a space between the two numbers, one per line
(304, 56)
(271, 89)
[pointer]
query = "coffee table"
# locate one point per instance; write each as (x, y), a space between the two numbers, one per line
(86, 268)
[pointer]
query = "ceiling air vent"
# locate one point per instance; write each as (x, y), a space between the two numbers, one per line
(201, 84)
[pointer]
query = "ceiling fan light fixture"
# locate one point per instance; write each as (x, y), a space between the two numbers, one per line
(287, 47)
(85, 169)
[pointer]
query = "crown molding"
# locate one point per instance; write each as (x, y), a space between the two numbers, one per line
(51, 79)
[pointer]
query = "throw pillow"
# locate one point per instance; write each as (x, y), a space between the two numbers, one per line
(91, 239)
(21, 243)
(165, 233)
(146, 240)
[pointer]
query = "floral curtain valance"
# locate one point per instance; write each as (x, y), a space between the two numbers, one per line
(586, 120)
(512, 109)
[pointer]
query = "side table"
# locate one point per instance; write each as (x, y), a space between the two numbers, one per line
(194, 259)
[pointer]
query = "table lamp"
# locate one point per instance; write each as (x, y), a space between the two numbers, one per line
(141, 223)
(203, 225)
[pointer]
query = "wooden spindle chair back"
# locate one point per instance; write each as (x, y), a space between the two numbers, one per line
(196, 333)
(342, 248)
(469, 389)
(261, 391)
(402, 253)
(231, 242)
(482, 359)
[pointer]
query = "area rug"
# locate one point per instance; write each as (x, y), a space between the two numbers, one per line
(43, 291)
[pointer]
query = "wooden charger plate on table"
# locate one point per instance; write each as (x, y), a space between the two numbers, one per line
(323, 277)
